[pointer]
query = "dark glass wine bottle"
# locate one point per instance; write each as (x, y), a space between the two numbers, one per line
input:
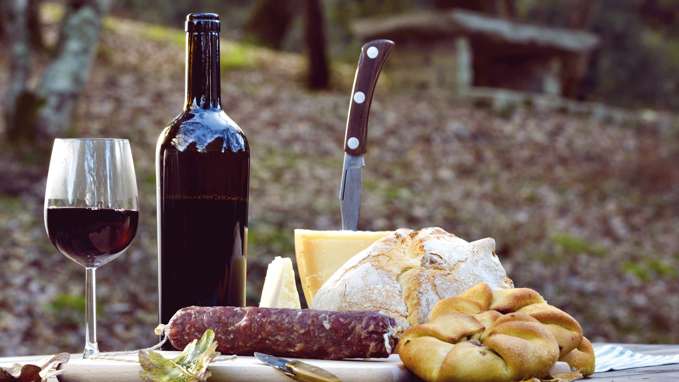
(202, 175)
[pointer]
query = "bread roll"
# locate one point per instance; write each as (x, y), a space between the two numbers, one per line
(458, 347)
(407, 272)
(487, 335)
(486, 305)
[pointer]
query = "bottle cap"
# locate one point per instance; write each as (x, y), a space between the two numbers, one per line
(202, 22)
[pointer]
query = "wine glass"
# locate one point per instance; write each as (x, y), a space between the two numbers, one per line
(91, 209)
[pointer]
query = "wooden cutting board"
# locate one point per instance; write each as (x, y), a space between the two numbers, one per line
(239, 369)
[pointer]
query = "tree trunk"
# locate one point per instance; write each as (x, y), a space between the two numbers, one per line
(66, 75)
(509, 9)
(15, 12)
(662, 13)
(581, 13)
(575, 67)
(314, 32)
(3, 20)
(34, 25)
(271, 20)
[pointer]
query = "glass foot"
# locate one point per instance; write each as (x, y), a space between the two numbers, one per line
(90, 350)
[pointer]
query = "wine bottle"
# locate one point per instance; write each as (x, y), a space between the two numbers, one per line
(202, 175)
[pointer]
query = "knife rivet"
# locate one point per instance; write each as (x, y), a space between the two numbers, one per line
(373, 52)
(353, 143)
(359, 97)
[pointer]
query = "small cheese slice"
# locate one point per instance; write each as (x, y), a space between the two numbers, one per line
(321, 253)
(280, 290)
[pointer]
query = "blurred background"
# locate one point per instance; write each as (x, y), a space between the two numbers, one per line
(547, 125)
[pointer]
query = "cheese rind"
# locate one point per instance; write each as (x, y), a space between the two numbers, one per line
(280, 290)
(320, 253)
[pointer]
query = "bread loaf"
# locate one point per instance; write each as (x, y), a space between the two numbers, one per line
(407, 272)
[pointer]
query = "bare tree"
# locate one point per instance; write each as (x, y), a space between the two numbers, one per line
(65, 77)
(271, 20)
(314, 33)
(3, 20)
(47, 109)
(659, 12)
(509, 8)
(574, 67)
(580, 14)
(15, 14)
(34, 24)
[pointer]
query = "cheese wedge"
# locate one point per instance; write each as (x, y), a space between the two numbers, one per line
(280, 290)
(321, 253)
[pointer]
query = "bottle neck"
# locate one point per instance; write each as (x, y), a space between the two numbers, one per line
(202, 70)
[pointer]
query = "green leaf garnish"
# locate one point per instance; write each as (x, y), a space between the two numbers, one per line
(189, 366)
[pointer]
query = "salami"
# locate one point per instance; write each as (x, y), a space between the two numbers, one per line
(303, 333)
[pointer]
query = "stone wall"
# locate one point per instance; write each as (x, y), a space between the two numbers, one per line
(446, 65)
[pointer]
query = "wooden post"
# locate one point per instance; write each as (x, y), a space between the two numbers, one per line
(464, 69)
(551, 77)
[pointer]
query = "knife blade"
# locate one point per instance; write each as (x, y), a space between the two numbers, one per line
(297, 370)
(373, 56)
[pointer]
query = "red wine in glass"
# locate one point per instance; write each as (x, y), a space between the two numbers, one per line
(91, 236)
(91, 210)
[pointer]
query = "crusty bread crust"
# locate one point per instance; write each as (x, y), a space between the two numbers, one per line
(406, 273)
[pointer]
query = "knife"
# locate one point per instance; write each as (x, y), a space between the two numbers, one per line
(298, 370)
(373, 56)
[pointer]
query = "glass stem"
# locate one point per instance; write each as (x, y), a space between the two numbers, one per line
(91, 347)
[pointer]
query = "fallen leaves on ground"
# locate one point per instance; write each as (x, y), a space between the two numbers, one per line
(582, 209)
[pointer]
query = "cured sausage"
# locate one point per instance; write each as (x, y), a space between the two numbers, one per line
(303, 333)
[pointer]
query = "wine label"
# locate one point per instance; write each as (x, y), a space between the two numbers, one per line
(231, 198)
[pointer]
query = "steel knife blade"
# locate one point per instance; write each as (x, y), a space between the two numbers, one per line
(297, 370)
(373, 56)
(350, 190)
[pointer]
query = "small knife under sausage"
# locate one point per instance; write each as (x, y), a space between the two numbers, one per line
(297, 370)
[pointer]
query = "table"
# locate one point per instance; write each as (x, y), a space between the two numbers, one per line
(648, 374)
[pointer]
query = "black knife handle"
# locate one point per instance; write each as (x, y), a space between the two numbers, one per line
(373, 56)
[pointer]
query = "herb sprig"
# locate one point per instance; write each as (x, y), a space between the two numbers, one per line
(189, 366)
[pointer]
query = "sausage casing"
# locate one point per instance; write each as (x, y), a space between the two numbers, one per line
(303, 333)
